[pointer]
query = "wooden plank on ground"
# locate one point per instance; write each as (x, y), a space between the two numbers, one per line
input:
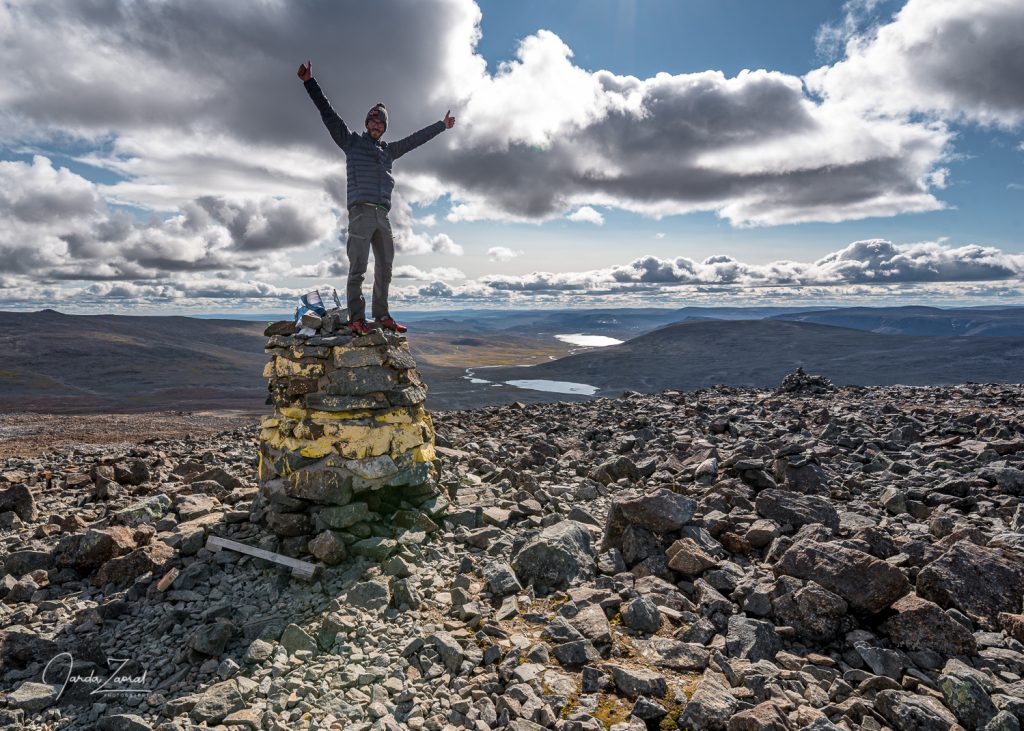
(302, 569)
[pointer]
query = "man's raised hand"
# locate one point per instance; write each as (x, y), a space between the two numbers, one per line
(306, 71)
(449, 120)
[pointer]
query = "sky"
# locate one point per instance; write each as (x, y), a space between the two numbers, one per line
(162, 157)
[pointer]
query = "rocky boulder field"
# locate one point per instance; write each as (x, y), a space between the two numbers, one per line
(740, 559)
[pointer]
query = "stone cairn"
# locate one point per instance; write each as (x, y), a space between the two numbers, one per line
(799, 382)
(347, 457)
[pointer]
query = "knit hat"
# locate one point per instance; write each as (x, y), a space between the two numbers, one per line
(379, 112)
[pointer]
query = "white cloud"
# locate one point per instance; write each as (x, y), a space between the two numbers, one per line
(417, 243)
(752, 148)
(503, 253)
(436, 289)
(586, 214)
(534, 99)
(957, 60)
(55, 224)
(407, 271)
(832, 37)
(870, 272)
(869, 261)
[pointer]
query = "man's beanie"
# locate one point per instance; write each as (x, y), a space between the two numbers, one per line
(379, 112)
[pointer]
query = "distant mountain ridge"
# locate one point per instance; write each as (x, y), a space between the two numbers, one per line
(52, 362)
(697, 354)
(932, 321)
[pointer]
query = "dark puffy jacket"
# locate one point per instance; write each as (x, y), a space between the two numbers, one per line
(368, 163)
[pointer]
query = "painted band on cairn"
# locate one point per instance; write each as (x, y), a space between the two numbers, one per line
(347, 457)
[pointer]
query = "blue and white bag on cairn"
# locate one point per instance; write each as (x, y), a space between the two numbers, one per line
(308, 313)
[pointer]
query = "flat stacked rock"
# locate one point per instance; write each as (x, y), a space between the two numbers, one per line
(348, 454)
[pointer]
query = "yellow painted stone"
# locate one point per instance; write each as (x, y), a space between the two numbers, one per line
(325, 417)
(291, 412)
(261, 469)
(269, 422)
(356, 441)
(267, 435)
(269, 369)
(406, 437)
(317, 449)
(285, 367)
(424, 453)
(395, 416)
(345, 432)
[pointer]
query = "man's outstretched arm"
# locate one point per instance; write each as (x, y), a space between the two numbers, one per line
(335, 125)
(404, 145)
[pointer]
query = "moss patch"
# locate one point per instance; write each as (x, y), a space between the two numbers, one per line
(612, 710)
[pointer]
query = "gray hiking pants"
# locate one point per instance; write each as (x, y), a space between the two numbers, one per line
(368, 226)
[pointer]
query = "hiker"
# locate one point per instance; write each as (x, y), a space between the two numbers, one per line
(368, 167)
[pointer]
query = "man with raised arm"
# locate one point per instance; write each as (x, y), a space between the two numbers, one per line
(368, 168)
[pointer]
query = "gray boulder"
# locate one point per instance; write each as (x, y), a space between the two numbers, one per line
(751, 639)
(33, 697)
(709, 708)
(661, 511)
(372, 594)
(967, 699)
(796, 509)
(981, 582)
(218, 701)
(633, 682)
(682, 657)
(123, 722)
(865, 582)
(642, 615)
(922, 625)
(814, 611)
(909, 712)
(501, 579)
(19, 499)
(558, 556)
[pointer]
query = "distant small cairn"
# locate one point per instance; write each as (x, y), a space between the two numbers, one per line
(347, 457)
(800, 382)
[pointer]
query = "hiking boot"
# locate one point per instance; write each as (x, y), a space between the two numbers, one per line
(388, 323)
(360, 327)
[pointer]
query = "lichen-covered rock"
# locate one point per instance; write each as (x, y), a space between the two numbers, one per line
(966, 697)
(20, 500)
(147, 510)
(95, 547)
(909, 712)
(123, 570)
(922, 625)
(796, 509)
(980, 582)
(812, 610)
(866, 583)
(709, 708)
(659, 512)
(329, 547)
(556, 557)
